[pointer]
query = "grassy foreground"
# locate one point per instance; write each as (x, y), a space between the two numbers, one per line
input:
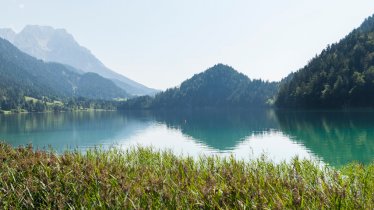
(144, 178)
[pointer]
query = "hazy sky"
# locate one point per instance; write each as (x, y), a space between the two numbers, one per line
(162, 42)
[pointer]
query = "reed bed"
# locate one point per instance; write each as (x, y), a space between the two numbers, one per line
(144, 178)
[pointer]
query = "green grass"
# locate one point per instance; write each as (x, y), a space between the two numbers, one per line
(28, 98)
(5, 112)
(55, 102)
(146, 178)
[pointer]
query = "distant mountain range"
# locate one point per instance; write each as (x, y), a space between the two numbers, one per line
(220, 86)
(342, 76)
(23, 75)
(57, 45)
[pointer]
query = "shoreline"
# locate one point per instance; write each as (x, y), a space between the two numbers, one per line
(3, 112)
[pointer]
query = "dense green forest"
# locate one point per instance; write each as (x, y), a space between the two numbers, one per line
(220, 86)
(33, 85)
(341, 76)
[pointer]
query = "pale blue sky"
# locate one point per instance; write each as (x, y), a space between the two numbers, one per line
(162, 42)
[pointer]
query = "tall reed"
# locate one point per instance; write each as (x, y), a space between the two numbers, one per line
(143, 178)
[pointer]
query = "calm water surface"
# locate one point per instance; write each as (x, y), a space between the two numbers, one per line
(336, 138)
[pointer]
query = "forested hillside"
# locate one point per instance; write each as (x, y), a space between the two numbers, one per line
(341, 76)
(220, 86)
(23, 77)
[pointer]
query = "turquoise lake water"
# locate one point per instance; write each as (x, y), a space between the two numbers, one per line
(336, 137)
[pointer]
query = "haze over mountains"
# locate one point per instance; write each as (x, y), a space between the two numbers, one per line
(342, 76)
(57, 45)
(23, 75)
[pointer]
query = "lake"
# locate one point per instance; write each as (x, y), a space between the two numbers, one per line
(336, 138)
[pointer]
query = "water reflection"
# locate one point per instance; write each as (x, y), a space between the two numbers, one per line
(218, 129)
(336, 137)
(71, 130)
